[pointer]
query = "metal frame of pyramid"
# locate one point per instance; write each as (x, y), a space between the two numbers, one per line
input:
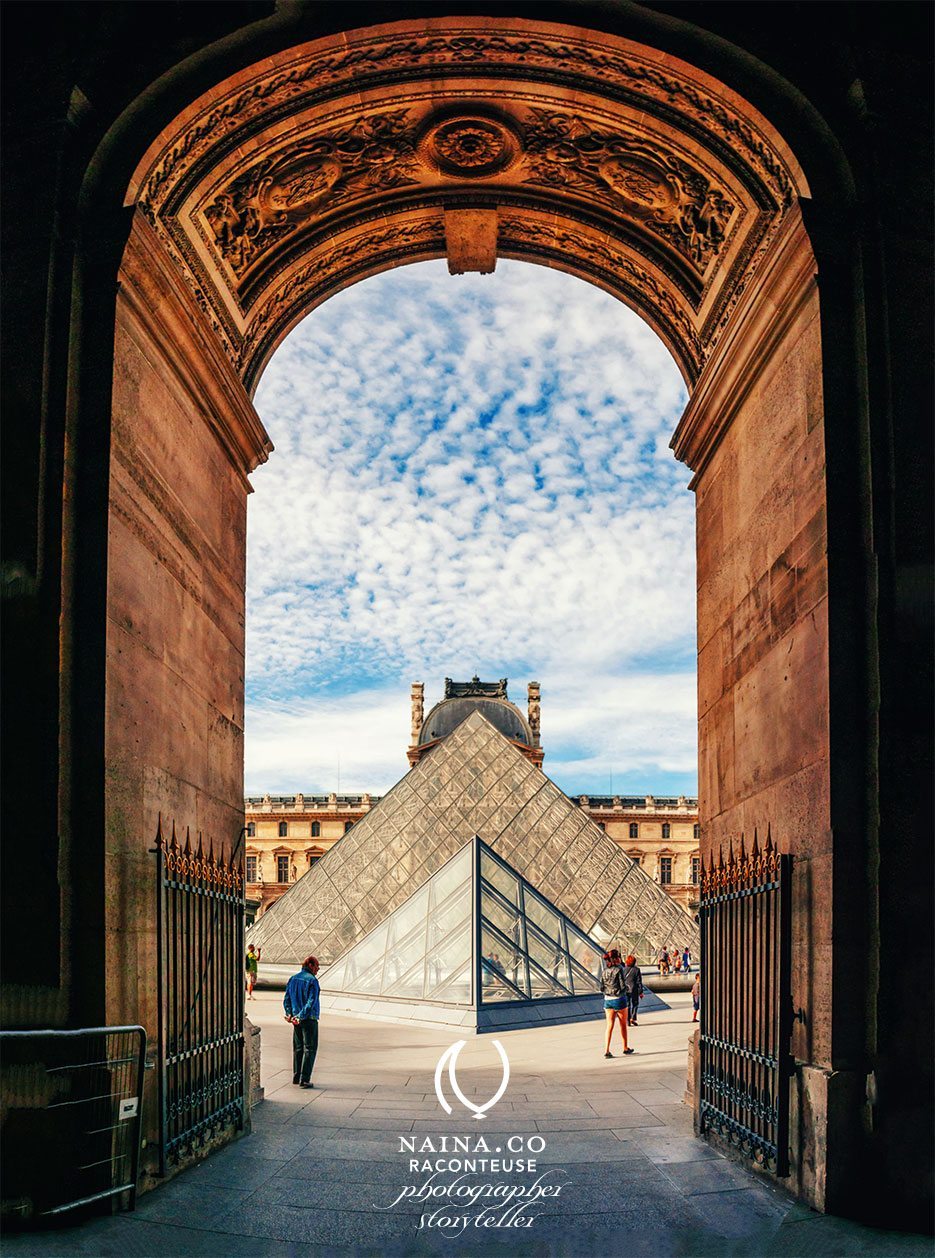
(474, 782)
(477, 947)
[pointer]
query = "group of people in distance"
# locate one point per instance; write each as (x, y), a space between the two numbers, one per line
(622, 989)
(677, 960)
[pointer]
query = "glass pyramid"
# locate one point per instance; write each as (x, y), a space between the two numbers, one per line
(475, 782)
(476, 934)
(423, 949)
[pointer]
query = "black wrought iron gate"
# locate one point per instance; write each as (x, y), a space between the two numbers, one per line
(746, 1003)
(201, 989)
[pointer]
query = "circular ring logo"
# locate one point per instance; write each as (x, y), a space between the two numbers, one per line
(450, 1057)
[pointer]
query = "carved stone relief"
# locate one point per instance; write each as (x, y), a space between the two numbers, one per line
(497, 52)
(622, 171)
(559, 151)
(276, 196)
(581, 130)
(469, 145)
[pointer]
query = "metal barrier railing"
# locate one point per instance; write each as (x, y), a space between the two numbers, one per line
(72, 1110)
(746, 1002)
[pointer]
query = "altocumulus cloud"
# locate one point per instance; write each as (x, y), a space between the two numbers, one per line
(471, 475)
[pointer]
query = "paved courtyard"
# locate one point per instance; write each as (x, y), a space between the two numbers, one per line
(321, 1170)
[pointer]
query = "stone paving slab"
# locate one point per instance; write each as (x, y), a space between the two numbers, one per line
(314, 1176)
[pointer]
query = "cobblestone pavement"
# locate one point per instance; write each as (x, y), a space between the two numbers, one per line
(320, 1169)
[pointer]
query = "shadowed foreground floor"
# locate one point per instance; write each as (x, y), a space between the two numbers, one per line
(319, 1172)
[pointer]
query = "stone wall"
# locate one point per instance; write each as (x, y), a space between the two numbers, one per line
(753, 433)
(175, 604)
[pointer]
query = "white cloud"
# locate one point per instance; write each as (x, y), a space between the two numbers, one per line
(470, 475)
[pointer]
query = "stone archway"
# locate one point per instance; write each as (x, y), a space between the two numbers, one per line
(470, 139)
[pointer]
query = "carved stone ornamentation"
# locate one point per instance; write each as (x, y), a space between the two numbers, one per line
(469, 146)
(533, 709)
(622, 170)
(327, 162)
(475, 688)
(417, 714)
(594, 63)
(276, 197)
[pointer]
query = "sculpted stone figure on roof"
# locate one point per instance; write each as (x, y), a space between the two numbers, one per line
(475, 688)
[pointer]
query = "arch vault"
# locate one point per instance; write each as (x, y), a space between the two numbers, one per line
(469, 139)
(262, 182)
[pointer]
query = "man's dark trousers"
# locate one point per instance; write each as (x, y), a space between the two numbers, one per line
(304, 1048)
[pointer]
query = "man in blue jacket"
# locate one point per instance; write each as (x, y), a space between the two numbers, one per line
(302, 1005)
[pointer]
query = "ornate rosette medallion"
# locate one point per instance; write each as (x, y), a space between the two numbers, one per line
(471, 145)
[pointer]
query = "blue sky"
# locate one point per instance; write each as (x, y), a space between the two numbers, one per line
(471, 475)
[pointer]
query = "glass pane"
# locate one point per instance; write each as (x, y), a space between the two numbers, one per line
(584, 952)
(457, 870)
(457, 989)
(447, 962)
(539, 912)
(401, 959)
(503, 968)
(506, 919)
(365, 964)
(542, 984)
(499, 877)
(456, 910)
(582, 981)
(408, 916)
(409, 983)
(334, 978)
(549, 958)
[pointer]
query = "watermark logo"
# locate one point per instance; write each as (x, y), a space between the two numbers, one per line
(450, 1057)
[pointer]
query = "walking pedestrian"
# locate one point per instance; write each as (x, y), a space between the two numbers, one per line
(676, 960)
(251, 963)
(302, 1003)
(633, 985)
(686, 959)
(615, 999)
(664, 961)
(696, 996)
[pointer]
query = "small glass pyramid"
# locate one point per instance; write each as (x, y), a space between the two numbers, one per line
(476, 935)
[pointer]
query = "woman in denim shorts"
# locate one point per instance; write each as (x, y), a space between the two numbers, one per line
(615, 999)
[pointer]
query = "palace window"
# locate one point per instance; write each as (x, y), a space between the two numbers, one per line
(602, 826)
(282, 868)
(251, 829)
(634, 830)
(665, 870)
(251, 869)
(283, 829)
(316, 829)
(696, 868)
(313, 860)
(347, 826)
(666, 830)
(696, 831)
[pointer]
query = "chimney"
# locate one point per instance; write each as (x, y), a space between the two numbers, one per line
(417, 699)
(532, 692)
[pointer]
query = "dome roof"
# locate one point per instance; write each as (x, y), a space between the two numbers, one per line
(503, 715)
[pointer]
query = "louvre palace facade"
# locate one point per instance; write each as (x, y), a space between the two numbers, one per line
(288, 834)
